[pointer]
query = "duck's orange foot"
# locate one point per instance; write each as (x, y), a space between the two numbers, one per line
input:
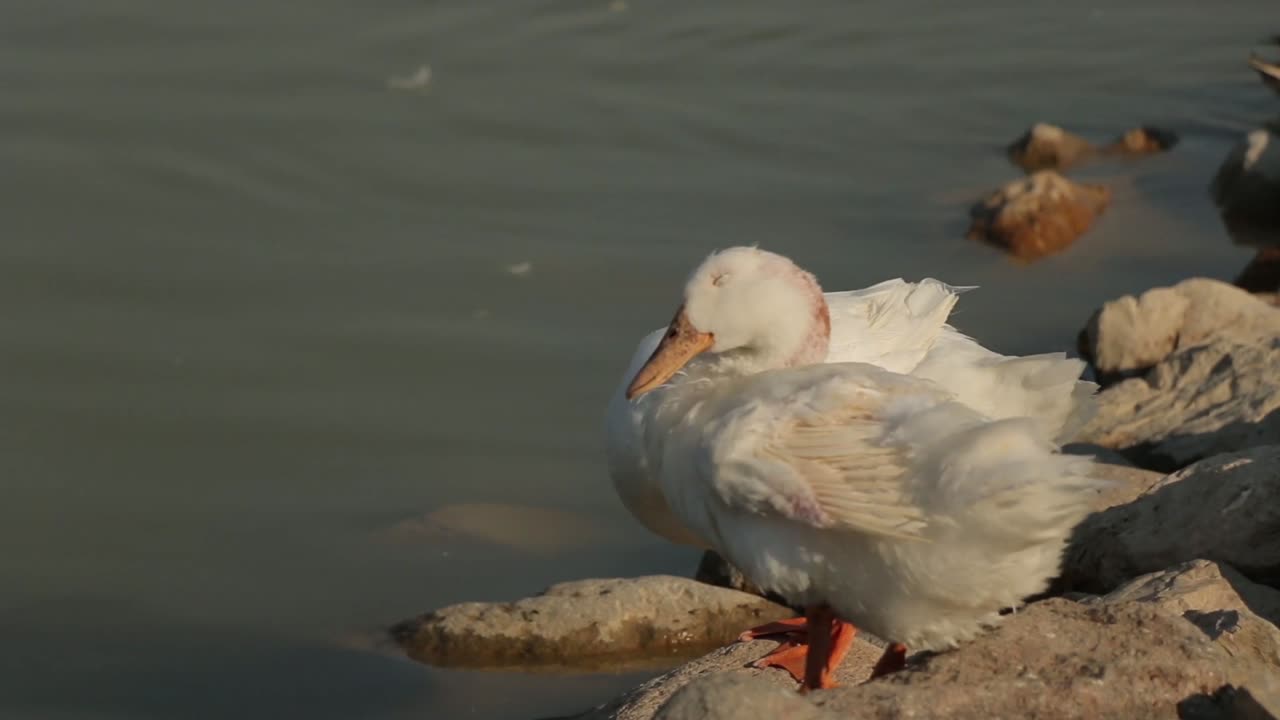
(893, 660)
(789, 656)
(794, 629)
(810, 648)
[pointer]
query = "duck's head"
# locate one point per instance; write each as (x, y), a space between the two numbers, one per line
(758, 305)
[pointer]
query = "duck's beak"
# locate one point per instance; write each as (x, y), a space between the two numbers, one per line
(679, 345)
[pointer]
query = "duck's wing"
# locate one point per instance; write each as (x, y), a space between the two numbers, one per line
(851, 447)
(1046, 387)
(812, 445)
(891, 324)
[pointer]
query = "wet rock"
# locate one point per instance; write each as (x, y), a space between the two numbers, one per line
(1130, 335)
(1038, 215)
(1268, 73)
(1055, 659)
(1049, 147)
(1215, 398)
(1262, 274)
(1236, 613)
(1246, 189)
(588, 623)
(1144, 140)
(730, 667)
(1225, 509)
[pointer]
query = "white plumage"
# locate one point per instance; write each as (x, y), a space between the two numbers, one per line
(901, 474)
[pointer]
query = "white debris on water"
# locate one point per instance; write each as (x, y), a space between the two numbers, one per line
(419, 80)
(520, 269)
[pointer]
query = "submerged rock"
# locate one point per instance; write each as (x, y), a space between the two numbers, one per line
(588, 623)
(518, 527)
(1038, 215)
(1049, 147)
(1246, 189)
(1225, 509)
(1130, 335)
(1056, 659)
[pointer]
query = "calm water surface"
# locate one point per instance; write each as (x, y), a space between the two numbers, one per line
(260, 305)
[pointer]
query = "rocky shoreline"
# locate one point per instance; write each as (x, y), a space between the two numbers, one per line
(1167, 604)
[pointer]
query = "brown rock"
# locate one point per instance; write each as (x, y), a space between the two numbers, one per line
(1130, 335)
(1048, 147)
(1038, 215)
(1144, 140)
(612, 623)
(1226, 509)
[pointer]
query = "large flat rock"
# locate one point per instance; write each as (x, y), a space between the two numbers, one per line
(587, 623)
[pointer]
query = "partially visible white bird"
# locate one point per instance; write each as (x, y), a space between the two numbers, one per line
(914, 491)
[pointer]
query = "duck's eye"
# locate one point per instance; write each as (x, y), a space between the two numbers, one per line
(719, 279)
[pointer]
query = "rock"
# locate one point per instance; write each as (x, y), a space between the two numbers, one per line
(1268, 73)
(1038, 215)
(1237, 614)
(1056, 659)
(715, 570)
(1129, 335)
(1142, 141)
(1262, 274)
(518, 527)
(1246, 189)
(1225, 509)
(1202, 401)
(730, 667)
(587, 623)
(734, 696)
(1049, 147)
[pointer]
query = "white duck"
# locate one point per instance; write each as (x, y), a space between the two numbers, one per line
(896, 325)
(863, 494)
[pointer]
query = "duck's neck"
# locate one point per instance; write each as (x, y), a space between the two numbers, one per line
(804, 342)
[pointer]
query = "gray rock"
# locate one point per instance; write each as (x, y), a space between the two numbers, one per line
(736, 696)
(1246, 189)
(1226, 509)
(1130, 335)
(614, 623)
(1202, 401)
(1056, 659)
(733, 663)
(1236, 613)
